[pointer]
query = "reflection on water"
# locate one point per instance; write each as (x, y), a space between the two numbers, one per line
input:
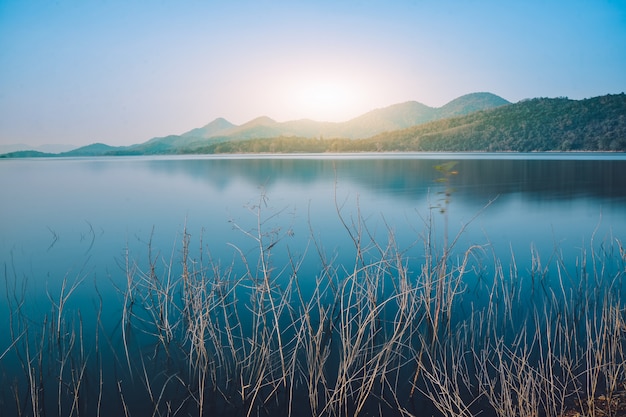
(539, 198)
(479, 179)
(99, 221)
(54, 208)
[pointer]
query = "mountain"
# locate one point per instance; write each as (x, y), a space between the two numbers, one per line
(169, 144)
(474, 122)
(95, 149)
(391, 118)
(26, 154)
(387, 119)
(212, 129)
(470, 103)
(157, 146)
(260, 127)
(397, 116)
(537, 125)
(48, 148)
(412, 113)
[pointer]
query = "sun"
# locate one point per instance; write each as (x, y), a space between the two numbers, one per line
(324, 98)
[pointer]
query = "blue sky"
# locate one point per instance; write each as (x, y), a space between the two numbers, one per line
(122, 72)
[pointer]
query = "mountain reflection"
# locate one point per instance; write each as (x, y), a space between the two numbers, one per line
(477, 179)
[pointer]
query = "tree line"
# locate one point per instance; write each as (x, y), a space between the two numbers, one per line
(541, 124)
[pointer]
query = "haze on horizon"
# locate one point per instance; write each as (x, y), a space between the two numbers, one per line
(123, 72)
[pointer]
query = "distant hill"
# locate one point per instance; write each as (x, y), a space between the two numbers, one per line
(474, 122)
(26, 154)
(541, 124)
(95, 149)
(49, 148)
(221, 131)
(470, 103)
(537, 125)
(412, 113)
(90, 150)
(212, 129)
(398, 116)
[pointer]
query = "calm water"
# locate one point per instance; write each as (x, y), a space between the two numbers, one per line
(63, 214)
(78, 218)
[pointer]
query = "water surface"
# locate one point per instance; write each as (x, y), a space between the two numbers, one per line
(98, 220)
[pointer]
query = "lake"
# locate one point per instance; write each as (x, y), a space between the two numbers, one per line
(237, 285)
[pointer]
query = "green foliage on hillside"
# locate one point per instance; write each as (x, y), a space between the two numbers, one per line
(597, 124)
(470, 103)
(536, 125)
(542, 124)
(95, 149)
(279, 145)
(26, 154)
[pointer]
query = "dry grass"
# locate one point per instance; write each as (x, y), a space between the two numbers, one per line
(388, 334)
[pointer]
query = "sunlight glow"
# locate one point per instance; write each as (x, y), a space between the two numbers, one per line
(325, 98)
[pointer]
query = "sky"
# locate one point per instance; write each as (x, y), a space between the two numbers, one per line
(122, 72)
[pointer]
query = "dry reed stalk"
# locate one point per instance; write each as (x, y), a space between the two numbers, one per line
(256, 341)
(127, 306)
(447, 380)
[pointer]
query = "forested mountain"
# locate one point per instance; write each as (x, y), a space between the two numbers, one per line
(49, 148)
(220, 133)
(212, 129)
(398, 116)
(89, 150)
(542, 124)
(488, 125)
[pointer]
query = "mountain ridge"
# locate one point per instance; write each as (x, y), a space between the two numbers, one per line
(210, 129)
(473, 122)
(45, 148)
(596, 124)
(393, 117)
(379, 120)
